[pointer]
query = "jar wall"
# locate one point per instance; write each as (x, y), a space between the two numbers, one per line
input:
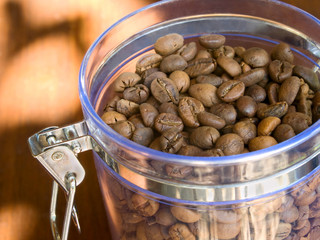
(136, 214)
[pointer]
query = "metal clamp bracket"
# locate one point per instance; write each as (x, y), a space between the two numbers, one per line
(57, 149)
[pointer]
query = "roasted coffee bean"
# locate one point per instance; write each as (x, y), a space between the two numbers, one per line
(231, 90)
(308, 75)
(282, 52)
(204, 137)
(203, 53)
(180, 231)
(143, 136)
(279, 70)
(305, 229)
(211, 79)
(209, 119)
(168, 44)
(164, 216)
(173, 63)
(137, 121)
(168, 107)
(214, 152)
(229, 65)
(148, 80)
(268, 125)
(289, 89)
(127, 108)
(257, 92)
(112, 104)
(188, 110)
(290, 215)
(188, 51)
(171, 140)
(147, 61)
(225, 51)
(184, 214)
(112, 117)
(225, 230)
(145, 206)
(190, 150)
(138, 93)
(200, 66)
(230, 144)
(256, 57)
(278, 109)
(261, 142)
(283, 231)
(273, 92)
(225, 111)
(246, 130)
(306, 200)
(246, 106)
(181, 79)
(298, 121)
(212, 41)
(252, 76)
(226, 216)
(148, 114)
(283, 132)
(205, 93)
(165, 90)
(165, 121)
(124, 128)
(125, 80)
(178, 171)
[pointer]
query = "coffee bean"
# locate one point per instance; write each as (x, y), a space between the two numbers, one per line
(125, 80)
(230, 144)
(246, 106)
(124, 128)
(225, 51)
(147, 61)
(229, 65)
(267, 125)
(289, 90)
(165, 121)
(204, 137)
(261, 142)
(278, 109)
(180, 231)
(173, 63)
(257, 92)
(212, 41)
(225, 111)
(168, 107)
(225, 230)
(252, 76)
(231, 90)
(168, 44)
(210, 78)
(148, 80)
(164, 216)
(171, 140)
(282, 51)
(188, 110)
(165, 90)
(256, 57)
(209, 119)
(184, 214)
(148, 114)
(298, 121)
(188, 51)
(283, 132)
(127, 108)
(246, 130)
(112, 117)
(200, 66)
(181, 80)
(205, 93)
(143, 136)
(308, 75)
(138, 93)
(279, 70)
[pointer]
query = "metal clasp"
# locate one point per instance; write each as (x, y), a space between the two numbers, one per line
(57, 149)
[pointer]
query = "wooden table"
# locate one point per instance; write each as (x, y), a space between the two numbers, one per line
(25, 186)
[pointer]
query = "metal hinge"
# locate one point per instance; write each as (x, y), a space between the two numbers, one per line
(57, 150)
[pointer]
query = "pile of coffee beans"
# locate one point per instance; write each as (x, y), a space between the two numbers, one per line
(205, 98)
(292, 215)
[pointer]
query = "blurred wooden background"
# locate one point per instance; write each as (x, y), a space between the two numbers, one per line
(42, 44)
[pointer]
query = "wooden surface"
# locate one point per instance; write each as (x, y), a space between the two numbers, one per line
(39, 62)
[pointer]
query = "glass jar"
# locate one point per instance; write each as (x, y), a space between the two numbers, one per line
(272, 193)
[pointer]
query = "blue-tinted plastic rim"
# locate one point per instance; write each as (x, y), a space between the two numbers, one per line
(199, 161)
